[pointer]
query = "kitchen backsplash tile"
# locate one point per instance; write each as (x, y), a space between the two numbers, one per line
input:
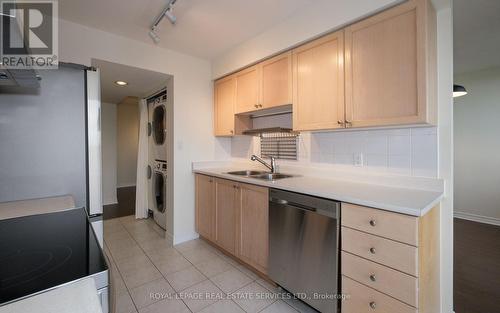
(405, 151)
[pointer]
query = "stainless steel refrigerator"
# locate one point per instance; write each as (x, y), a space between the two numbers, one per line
(50, 137)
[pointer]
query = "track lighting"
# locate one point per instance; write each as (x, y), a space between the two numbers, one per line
(167, 12)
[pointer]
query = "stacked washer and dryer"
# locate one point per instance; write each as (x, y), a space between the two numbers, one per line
(157, 112)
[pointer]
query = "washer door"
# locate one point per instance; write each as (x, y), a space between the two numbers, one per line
(159, 125)
(159, 191)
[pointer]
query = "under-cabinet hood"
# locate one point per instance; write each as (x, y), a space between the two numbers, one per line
(19, 78)
(260, 131)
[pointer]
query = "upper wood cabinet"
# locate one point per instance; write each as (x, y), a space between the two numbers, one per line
(224, 99)
(390, 67)
(227, 201)
(253, 232)
(205, 206)
(276, 81)
(318, 83)
(247, 90)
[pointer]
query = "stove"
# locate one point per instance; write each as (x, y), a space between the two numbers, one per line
(42, 252)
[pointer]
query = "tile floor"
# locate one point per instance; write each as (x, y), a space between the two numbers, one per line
(151, 276)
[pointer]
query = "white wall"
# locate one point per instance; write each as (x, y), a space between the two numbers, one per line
(127, 138)
(477, 146)
(109, 159)
(192, 104)
(313, 20)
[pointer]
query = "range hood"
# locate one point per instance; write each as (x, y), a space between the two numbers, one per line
(27, 78)
(260, 131)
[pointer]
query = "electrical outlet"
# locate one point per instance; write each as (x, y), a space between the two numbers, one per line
(358, 159)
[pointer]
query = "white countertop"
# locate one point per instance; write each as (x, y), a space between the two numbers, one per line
(411, 201)
(78, 297)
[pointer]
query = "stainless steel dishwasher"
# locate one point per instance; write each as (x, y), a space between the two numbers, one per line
(303, 247)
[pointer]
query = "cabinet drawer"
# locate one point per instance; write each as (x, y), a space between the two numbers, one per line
(362, 299)
(391, 282)
(390, 225)
(391, 253)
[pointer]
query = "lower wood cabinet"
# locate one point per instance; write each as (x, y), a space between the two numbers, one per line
(205, 206)
(227, 200)
(253, 232)
(234, 216)
(390, 261)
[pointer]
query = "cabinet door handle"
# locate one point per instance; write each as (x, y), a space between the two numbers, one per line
(231, 131)
(256, 105)
(373, 278)
(373, 305)
(373, 223)
(372, 250)
(260, 105)
(348, 123)
(340, 122)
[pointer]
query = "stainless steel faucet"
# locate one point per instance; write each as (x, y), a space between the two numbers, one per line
(271, 166)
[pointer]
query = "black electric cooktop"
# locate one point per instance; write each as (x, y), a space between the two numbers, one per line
(40, 252)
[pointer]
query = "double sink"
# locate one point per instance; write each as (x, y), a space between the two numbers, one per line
(260, 175)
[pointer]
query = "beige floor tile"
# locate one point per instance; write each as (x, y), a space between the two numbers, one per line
(161, 255)
(214, 266)
(172, 264)
(131, 264)
(118, 284)
(166, 306)
(146, 235)
(223, 306)
(155, 244)
(250, 298)
(245, 270)
(151, 292)
(190, 245)
(124, 303)
(126, 252)
(279, 306)
(264, 283)
(140, 276)
(300, 306)
(198, 255)
(227, 258)
(201, 295)
(185, 278)
(231, 280)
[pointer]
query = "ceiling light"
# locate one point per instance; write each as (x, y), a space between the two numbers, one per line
(459, 91)
(167, 12)
(154, 36)
(121, 83)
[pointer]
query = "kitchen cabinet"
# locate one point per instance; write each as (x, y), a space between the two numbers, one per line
(227, 202)
(276, 81)
(390, 67)
(205, 206)
(247, 90)
(224, 99)
(318, 84)
(234, 216)
(253, 224)
(391, 260)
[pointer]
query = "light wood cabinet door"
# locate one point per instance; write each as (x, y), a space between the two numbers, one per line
(247, 90)
(276, 81)
(227, 202)
(318, 83)
(390, 67)
(205, 206)
(253, 224)
(224, 98)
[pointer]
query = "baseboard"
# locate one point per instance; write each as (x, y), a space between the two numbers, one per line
(188, 237)
(477, 218)
(110, 202)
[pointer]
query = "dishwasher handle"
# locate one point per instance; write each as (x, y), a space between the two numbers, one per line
(292, 204)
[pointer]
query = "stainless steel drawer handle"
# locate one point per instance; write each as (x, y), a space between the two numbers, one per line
(373, 278)
(373, 223)
(372, 250)
(373, 305)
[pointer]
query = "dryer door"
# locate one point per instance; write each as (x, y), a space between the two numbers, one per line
(159, 191)
(159, 125)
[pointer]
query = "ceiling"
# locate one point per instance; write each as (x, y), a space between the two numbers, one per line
(476, 28)
(140, 82)
(204, 28)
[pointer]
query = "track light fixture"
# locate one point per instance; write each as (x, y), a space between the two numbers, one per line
(167, 12)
